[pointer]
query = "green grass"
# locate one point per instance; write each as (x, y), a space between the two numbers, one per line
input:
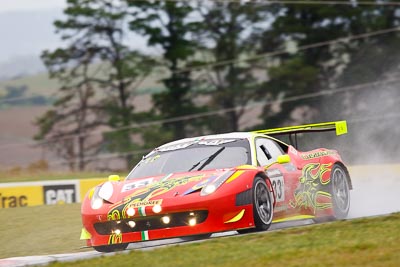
(361, 242)
(46, 230)
(40, 230)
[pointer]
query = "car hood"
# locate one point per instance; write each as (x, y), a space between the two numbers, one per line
(164, 186)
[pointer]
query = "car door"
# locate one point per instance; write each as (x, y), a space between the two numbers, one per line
(284, 177)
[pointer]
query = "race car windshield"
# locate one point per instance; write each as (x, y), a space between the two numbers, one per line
(197, 156)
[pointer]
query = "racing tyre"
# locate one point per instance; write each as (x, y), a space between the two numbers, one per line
(262, 206)
(340, 191)
(111, 248)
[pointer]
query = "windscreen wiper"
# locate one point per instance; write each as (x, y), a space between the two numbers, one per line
(208, 160)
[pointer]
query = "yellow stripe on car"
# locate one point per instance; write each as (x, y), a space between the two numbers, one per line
(237, 217)
(299, 217)
(234, 176)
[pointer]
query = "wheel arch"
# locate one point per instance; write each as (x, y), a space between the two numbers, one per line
(268, 182)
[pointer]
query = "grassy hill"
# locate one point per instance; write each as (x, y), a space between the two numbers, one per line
(41, 85)
(38, 84)
(21, 129)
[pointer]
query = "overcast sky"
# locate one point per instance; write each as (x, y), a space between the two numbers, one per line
(26, 27)
(26, 30)
(19, 5)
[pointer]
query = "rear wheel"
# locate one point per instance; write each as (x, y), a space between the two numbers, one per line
(340, 191)
(111, 248)
(262, 206)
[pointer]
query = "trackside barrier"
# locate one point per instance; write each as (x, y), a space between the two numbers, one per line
(25, 194)
(382, 170)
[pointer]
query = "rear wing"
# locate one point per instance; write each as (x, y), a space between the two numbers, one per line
(339, 126)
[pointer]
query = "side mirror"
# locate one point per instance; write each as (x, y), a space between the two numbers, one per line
(282, 159)
(114, 178)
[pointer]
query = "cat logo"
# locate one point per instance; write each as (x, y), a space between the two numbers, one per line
(59, 194)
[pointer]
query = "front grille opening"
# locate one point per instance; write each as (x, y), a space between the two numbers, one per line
(190, 218)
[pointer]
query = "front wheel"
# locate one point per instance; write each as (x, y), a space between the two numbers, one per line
(262, 206)
(111, 248)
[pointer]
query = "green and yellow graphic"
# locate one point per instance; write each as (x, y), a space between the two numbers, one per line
(309, 193)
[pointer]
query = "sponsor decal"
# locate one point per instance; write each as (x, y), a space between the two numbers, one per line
(20, 196)
(137, 184)
(279, 188)
(309, 193)
(174, 147)
(146, 203)
(59, 194)
(318, 154)
(115, 239)
(114, 215)
(13, 201)
(206, 142)
(152, 190)
(215, 142)
(278, 184)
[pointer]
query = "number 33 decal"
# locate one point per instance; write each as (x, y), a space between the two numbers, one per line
(279, 188)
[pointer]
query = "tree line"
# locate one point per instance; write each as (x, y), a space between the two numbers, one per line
(230, 53)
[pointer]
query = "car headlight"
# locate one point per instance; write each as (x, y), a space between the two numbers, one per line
(96, 202)
(208, 189)
(104, 192)
(214, 185)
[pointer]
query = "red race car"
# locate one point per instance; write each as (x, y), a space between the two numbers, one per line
(198, 186)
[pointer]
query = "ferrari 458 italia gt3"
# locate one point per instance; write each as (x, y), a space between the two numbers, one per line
(198, 186)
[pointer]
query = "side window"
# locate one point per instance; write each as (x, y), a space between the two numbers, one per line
(267, 151)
